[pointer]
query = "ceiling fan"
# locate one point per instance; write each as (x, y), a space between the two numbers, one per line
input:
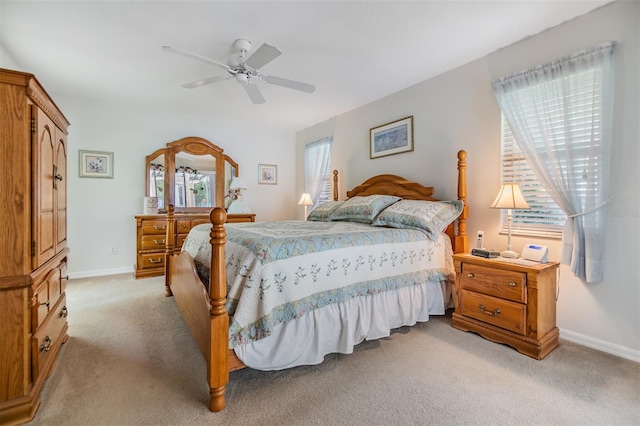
(245, 71)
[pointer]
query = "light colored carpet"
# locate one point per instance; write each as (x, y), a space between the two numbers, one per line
(131, 360)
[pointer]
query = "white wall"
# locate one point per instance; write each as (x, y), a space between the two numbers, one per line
(457, 110)
(101, 211)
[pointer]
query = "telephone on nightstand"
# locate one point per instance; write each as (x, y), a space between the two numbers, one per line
(535, 252)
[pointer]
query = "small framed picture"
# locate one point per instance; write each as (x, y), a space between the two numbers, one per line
(392, 138)
(95, 164)
(268, 173)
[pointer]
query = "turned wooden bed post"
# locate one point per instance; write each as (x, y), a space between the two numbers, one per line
(335, 185)
(461, 239)
(170, 247)
(218, 362)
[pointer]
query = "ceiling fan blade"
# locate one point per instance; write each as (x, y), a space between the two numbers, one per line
(254, 93)
(261, 57)
(196, 57)
(291, 84)
(204, 81)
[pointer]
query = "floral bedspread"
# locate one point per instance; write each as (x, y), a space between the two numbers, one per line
(279, 271)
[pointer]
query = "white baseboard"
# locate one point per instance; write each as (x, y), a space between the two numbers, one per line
(101, 272)
(601, 345)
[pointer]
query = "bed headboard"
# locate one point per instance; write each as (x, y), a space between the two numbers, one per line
(393, 185)
(388, 184)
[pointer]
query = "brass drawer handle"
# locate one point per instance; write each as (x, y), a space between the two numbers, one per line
(158, 242)
(512, 284)
(159, 260)
(66, 277)
(64, 312)
(185, 226)
(46, 346)
(493, 314)
(470, 275)
(45, 304)
(163, 227)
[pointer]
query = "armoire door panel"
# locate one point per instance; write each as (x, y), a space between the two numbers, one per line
(44, 217)
(61, 190)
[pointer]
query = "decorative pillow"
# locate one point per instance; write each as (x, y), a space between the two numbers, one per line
(322, 212)
(430, 217)
(362, 209)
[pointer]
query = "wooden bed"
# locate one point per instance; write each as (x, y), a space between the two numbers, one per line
(205, 313)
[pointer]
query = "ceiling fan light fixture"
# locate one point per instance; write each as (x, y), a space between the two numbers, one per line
(242, 78)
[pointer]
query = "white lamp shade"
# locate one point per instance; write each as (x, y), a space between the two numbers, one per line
(238, 183)
(510, 197)
(305, 200)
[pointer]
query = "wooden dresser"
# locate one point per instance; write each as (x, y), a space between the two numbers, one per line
(507, 303)
(33, 311)
(151, 241)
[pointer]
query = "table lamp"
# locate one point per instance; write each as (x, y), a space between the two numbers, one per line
(305, 201)
(509, 197)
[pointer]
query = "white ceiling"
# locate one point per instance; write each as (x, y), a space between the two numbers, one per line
(354, 52)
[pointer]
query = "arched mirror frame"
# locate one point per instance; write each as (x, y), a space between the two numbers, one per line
(195, 146)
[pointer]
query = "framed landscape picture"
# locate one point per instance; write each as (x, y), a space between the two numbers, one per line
(268, 173)
(392, 138)
(95, 164)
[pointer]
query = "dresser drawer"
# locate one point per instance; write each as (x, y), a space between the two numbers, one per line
(509, 285)
(183, 226)
(49, 336)
(153, 242)
(492, 310)
(151, 260)
(153, 227)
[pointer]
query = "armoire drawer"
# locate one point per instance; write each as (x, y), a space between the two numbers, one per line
(47, 294)
(49, 336)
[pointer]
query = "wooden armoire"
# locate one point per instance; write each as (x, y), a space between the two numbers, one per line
(33, 241)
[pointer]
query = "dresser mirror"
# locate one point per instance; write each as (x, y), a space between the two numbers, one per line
(192, 174)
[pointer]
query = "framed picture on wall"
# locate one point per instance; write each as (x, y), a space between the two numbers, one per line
(95, 164)
(268, 174)
(392, 138)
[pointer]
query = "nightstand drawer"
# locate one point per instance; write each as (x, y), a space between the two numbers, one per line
(492, 310)
(495, 282)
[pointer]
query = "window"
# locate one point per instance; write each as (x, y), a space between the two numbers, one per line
(561, 114)
(317, 169)
(544, 218)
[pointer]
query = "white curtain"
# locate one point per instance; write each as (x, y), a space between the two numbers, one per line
(317, 157)
(560, 115)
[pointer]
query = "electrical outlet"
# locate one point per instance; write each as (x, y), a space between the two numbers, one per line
(113, 250)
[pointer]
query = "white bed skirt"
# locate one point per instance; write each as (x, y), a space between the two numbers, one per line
(338, 328)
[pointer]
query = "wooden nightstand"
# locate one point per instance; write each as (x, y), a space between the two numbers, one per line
(507, 303)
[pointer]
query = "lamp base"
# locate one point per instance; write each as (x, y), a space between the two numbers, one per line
(510, 254)
(238, 206)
